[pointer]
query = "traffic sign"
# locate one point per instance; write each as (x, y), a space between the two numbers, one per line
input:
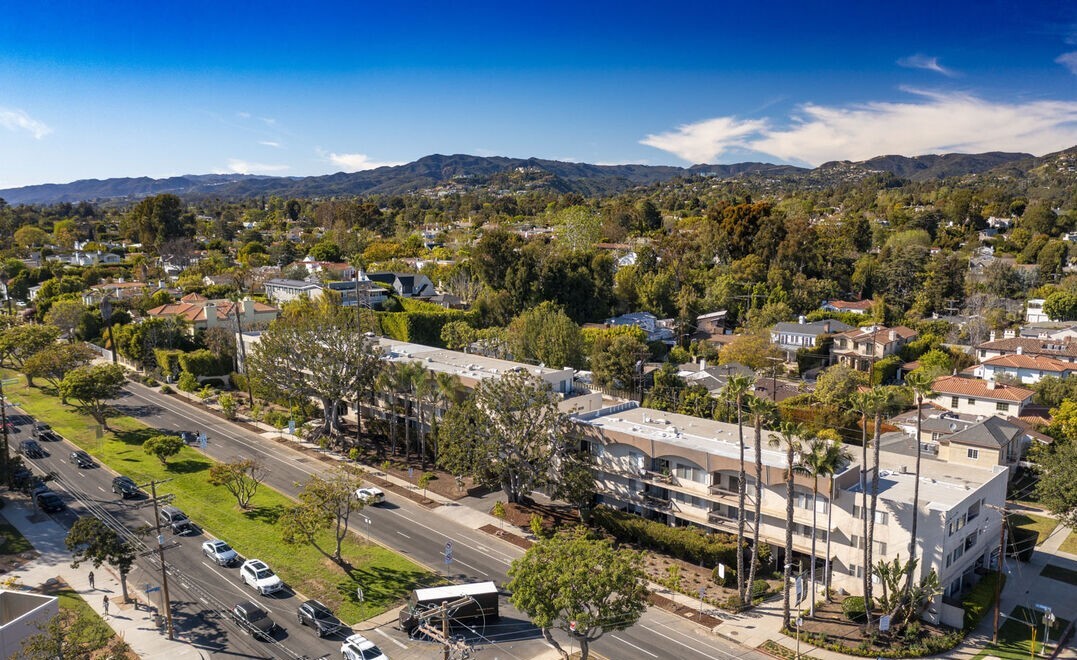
(572, 626)
(152, 589)
(448, 552)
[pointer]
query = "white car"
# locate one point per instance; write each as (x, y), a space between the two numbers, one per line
(258, 576)
(370, 495)
(358, 647)
(220, 552)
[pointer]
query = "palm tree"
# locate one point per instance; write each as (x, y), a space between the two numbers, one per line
(882, 401)
(423, 389)
(788, 438)
(821, 458)
(411, 377)
(762, 412)
(391, 381)
(735, 390)
(920, 383)
(863, 402)
(448, 390)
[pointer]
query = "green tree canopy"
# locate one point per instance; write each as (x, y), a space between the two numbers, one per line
(54, 361)
(546, 334)
(92, 387)
(91, 540)
(581, 586)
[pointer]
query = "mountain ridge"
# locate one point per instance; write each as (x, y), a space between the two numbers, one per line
(496, 173)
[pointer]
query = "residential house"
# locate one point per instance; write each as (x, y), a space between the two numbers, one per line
(406, 285)
(283, 290)
(791, 337)
(712, 377)
(979, 397)
(1064, 350)
(1034, 311)
(119, 290)
(657, 330)
(853, 306)
(860, 348)
(327, 270)
(92, 258)
(1028, 369)
(203, 314)
(712, 324)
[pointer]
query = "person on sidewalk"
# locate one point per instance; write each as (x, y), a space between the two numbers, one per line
(91, 581)
(105, 604)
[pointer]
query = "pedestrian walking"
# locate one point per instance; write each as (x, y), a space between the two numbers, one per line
(104, 602)
(91, 580)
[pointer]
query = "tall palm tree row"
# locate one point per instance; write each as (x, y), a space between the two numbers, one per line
(735, 389)
(920, 383)
(788, 438)
(863, 402)
(763, 413)
(821, 458)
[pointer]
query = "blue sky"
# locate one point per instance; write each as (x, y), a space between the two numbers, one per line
(97, 90)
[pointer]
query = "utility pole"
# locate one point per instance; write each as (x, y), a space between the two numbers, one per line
(161, 556)
(237, 307)
(3, 421)
(106, 314)
(445, 626)
(998, 576)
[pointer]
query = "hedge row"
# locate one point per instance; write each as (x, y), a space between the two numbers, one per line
(980, 599)
(421, 327)
(688, 543)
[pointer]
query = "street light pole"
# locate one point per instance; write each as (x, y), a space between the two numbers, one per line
(161, 556)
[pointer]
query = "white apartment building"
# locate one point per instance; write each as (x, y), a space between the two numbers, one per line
(684, 471)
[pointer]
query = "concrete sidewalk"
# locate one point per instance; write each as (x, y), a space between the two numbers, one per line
(135, 625)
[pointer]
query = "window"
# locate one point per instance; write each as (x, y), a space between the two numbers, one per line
(983, 353)
(970, 540)
(881, 517)
(955, 402)
(597, 450)
(974, 510)
(1002, 407)
(972, 402)
(974, 454)
(956, 524)
(690, 473)
(856, 571)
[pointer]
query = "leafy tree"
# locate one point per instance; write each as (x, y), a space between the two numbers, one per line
(93, 541)
(546, 334)
(837, 383)
(157, 220)
(228, 404)
(424, 481)
(1061, 306)
(574, 483)
(578, 228)
(324, 503)
(499, 512)
(325, 251)
(163, 447)
(54, 361)
(505, 434)
(1057, 487)
(66, 635)
(617, 360)
(753, 350)
(320, 356)
(187, 382)
(492, 256)
(457, 335)
(29, 236)
(241, 477)
(19, 342)
(582, 586)
(92, 387)
(66, 315)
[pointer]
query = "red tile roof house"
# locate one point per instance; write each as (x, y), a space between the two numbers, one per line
(979, 397)
(1027, 369)
(1058, 349)
(203, 314)
(854, 306)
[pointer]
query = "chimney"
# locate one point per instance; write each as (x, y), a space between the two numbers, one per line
(800, 320)
(991, 385)
(992, 335)
(702, 364)
(248, 307)
(826, 327)
(893, 335)
(1020, 350)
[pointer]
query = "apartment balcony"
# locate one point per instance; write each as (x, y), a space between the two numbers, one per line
(724, 490)
(721, 517)
(658, 477)
(657, 502)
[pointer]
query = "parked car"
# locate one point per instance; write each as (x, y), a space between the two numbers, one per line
(21, 478)
(358, 647)
(125, 487)
(220, 552)
(175, 520)
(319, 617)
(31, 449)
(81, 459)
(253, 620)
(258, 576)
(49, 501)
(370, 495)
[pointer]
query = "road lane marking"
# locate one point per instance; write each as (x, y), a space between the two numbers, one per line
(701, 642)
(471, 567)
(625, 641)
(444, 535)
(100, 488)
(402, 534)
(388, 637)
(691, 648)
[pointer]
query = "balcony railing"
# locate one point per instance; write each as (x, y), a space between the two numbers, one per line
(653, 501)
(660, 477)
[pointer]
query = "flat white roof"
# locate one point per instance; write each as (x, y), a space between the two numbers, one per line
(461, 364)
(456, 590)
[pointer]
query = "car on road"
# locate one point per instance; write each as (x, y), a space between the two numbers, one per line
(49, 501)
(125, 487)
(260, 577)
(175, 519)
(81, 459)
(220, 552)
(320, 618)
(358, 647)
(253, 620)
(370, 495)
(31, 449)
(38, 428)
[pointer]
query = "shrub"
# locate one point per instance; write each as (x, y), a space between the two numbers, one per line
(760, 588)
(354, 453)
(278, 419)
(165, 389)
(688, 543)
(187, 382)
(228, 405)
(204, 363)
(853, 608)
(980, 599)
(729, 580)
(239, 381)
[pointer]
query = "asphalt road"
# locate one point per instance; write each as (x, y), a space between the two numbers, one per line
(421, 534)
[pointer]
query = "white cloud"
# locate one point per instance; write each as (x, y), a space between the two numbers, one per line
(927, 63)
(17, 120)
(703, 141)
(243, 115)
(237, 166)
(356, 162)
(935, 123)
(1068, 60)
(269, 143)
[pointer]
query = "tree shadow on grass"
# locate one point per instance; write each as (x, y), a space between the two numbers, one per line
(136, 437)
(188, 466)
(383, 586)
(265, 514)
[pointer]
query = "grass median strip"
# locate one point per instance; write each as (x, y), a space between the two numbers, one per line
(384, 576)
(1042, 525)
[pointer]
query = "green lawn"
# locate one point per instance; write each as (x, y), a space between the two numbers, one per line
(1059, 573)
(11, 541)
(1042, 525)
(385, 576)
(1015, 636)
(97, 633)
(1070, 544)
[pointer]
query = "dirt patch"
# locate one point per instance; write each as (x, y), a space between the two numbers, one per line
(514, 539)
(688, 613)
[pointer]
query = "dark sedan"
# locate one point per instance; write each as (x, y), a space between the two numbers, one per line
(49, 501)
(253, 620)
(31, 449)
(81, 459)
(319, 617)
